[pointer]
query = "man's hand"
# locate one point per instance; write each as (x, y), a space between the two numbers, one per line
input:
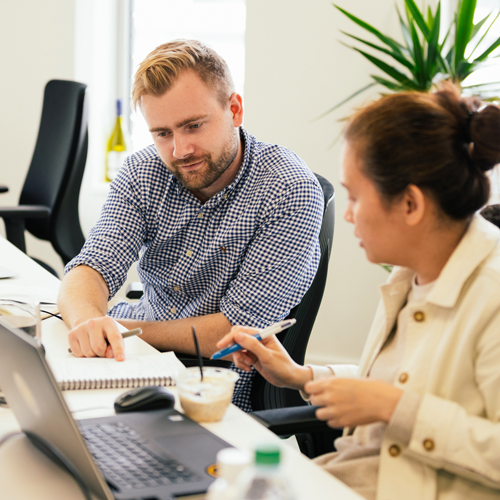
(97, 337)
(351, 402)
(268, 356)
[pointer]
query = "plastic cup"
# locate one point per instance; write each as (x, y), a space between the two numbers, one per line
(206, 401)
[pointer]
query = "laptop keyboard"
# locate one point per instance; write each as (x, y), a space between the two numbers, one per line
(123, 458)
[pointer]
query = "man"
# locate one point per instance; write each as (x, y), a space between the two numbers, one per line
(225, 227)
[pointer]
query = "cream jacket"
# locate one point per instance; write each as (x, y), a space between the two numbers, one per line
(453, 451)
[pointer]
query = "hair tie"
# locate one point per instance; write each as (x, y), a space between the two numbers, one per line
(468, 136)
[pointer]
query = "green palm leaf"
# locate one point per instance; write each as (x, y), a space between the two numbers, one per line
(385, 39)
(463, 30)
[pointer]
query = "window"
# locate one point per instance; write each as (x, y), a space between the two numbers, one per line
(218, 23)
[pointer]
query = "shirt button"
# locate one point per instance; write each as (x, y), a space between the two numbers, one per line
(403, 378)
(428, 444)
(173, 310)
(177, 288)
(189, 253)
(394, 450)
(419, 316)
(224, 196)
(200, 215)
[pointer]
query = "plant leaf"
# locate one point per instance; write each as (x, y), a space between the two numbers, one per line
(345, 100)
(478, 26)
(488, 51)
(386, 68)
(433, 46)
(396, 87)
(418, 56)
(484, 34)
(464, 27)
(419, 18)
(406, 32)
(399, 58)
(385, 39)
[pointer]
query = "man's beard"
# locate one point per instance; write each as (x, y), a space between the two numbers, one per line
(214, 168)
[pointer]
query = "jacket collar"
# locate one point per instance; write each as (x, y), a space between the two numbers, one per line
(476, 245)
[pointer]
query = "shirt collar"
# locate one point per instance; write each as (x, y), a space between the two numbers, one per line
(476, 245)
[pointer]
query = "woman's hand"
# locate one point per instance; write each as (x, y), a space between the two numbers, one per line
(268, 356)
(351, 402)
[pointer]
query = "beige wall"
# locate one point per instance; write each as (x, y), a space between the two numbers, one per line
(295, 70)
(36, 45)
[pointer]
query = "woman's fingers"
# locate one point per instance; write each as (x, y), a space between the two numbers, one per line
(228, 339)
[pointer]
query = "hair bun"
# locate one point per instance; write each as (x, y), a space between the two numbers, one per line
(484, 132)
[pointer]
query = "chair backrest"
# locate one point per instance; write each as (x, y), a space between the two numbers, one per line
(264, 395)
(55, 174)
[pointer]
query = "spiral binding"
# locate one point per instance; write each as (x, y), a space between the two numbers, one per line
(124, 383)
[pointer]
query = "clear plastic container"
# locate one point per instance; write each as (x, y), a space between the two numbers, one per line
(266, 481)
(206, 401)
(230, 463)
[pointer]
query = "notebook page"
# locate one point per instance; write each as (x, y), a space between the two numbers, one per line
(158, 365)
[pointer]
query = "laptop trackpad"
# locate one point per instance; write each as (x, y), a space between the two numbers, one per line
(184, 448)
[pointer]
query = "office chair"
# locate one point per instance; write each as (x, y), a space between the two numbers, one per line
(48, 205)
(264, 395)
(314, 437)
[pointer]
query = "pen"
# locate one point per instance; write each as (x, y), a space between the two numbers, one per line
(125, 335)
(263, 334)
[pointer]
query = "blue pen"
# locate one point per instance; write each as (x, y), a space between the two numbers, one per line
(263, 334)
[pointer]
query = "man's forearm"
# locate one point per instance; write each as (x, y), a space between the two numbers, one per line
(175, 335)
(83, 295)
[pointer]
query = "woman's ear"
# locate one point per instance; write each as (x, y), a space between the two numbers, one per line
(414, 202)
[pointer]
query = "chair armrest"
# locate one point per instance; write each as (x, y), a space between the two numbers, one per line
(293, 420)
(24, 212)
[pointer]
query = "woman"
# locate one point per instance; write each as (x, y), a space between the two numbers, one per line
(421, 413)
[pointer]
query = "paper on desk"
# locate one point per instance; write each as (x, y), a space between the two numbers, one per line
(9, 290)
(6, 273)
(164, 364)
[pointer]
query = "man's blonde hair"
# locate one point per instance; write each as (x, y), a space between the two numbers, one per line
(158, 72)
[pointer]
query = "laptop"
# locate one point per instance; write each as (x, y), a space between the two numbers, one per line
(159, 454)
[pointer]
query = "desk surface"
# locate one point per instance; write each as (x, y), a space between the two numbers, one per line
(20, 460)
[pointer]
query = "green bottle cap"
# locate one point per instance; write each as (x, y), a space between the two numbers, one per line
(267, 455)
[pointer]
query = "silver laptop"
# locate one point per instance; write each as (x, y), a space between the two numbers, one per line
(159, 454)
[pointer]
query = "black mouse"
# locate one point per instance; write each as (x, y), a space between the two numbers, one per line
(145, 398)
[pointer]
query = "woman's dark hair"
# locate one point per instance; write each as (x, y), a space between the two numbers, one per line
(437, 141)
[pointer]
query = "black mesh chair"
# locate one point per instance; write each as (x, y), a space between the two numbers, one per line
(264, 395)
(48, 205)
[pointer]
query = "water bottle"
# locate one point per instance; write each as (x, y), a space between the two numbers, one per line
(230, 463)
(267, 480)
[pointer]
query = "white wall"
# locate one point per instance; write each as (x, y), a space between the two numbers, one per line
(37, 45)
(295, 70)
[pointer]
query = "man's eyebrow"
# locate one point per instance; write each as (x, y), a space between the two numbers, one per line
(180, 124)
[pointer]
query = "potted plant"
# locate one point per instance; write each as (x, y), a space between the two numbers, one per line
(426, 57)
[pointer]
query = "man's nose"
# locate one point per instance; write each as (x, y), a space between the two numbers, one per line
(182, 147)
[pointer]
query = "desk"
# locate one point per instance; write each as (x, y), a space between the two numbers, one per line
(27, 474)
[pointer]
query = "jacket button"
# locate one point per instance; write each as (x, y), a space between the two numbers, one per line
(419, 316)
(394, 450)
(428, 444)
(403, 378)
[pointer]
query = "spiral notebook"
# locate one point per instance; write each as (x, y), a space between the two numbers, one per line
(101, 373)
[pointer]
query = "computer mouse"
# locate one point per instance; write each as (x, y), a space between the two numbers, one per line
(144, 399)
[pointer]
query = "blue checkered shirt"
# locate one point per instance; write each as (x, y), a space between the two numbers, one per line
(251, 251)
